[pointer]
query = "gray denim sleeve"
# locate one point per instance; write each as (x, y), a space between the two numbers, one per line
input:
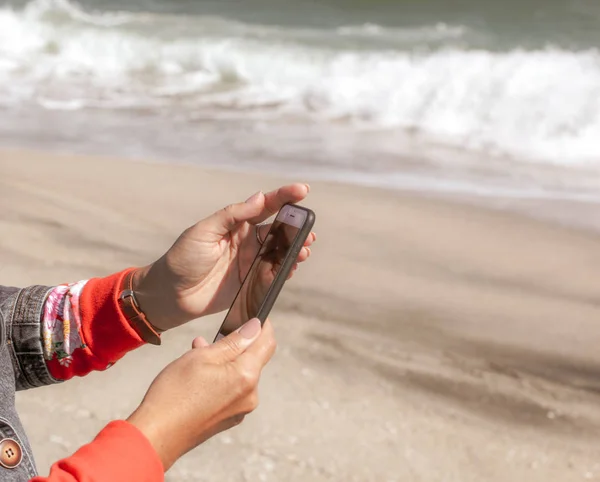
(21, 315)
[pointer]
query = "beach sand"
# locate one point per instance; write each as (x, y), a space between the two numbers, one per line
(426, 340)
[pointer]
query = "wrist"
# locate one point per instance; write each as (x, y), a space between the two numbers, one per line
(162, 442)
(152, 299)
(158, 294)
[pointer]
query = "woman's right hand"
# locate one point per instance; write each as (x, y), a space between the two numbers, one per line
(206, 391)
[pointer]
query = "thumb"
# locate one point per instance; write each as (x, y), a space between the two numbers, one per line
(229, 217)
(233, 345)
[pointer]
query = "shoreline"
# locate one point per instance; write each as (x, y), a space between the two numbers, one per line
(569, 212)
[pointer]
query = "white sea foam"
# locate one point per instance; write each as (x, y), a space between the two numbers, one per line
(543, 105)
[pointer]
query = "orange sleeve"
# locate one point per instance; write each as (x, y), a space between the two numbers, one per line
(84, 330)
(119, 453)
(97, 331)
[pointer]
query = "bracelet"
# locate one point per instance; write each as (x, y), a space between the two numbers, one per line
(136, 317)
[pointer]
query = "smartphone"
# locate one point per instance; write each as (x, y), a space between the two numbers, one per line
(270, 269)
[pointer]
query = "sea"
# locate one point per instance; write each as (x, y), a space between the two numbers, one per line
(481, 97)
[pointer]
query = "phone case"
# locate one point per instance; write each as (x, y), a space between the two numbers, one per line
(285, 269)
(287, 265)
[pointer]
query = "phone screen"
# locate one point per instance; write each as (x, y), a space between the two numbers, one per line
(265, 267)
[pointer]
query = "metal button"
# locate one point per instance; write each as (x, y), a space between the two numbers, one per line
(11, 453)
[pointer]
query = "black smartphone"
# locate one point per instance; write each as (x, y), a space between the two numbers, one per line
(270, 269)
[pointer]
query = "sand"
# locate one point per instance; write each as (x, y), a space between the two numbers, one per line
(426, 340)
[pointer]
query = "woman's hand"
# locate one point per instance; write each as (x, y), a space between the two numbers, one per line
(203, 270)
(206, 391)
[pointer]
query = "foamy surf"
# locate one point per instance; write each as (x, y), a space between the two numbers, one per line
(541, 105)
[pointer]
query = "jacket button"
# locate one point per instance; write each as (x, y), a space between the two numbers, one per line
(11, 453)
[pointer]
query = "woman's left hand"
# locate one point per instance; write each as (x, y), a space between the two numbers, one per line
(203, 270)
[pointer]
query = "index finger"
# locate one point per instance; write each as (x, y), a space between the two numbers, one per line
(274, 200)
(262, 349)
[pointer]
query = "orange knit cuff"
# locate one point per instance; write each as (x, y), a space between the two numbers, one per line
(119, 453)
(105, 334)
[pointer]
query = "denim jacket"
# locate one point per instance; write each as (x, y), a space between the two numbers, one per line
(22, 366)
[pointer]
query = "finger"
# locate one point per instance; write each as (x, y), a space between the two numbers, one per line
(261, 351)
(312, 237)
(263, 231)
(294, 268)
(224, 425)
(274, 200)
(199, 342)
(303, 255)
(229, 217)
(235, 344)
(228, 424)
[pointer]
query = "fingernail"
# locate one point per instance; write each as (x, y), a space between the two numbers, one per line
(250, 329)
(253, 198)
(307, 187)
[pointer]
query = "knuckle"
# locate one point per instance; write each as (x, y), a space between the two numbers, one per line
(248, 379)
(230, 345)
(237, 419)
(252, 401)
(229, 210)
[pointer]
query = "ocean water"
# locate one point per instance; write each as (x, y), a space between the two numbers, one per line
(486, 97)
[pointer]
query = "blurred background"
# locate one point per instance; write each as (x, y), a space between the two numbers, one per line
(447, 325)
(490, 97)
